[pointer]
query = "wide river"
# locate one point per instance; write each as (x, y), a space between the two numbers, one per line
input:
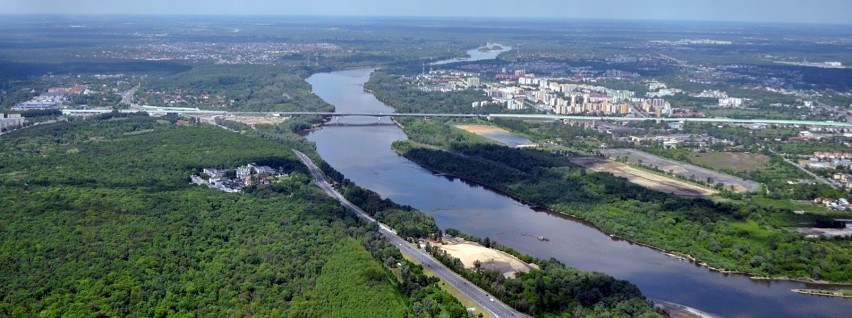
(363, 154)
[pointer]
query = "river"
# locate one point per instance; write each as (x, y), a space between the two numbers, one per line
(363, 154)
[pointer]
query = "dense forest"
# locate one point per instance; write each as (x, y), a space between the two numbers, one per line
(242, 87)
(738, 235)
(554, 289)
(100, 220)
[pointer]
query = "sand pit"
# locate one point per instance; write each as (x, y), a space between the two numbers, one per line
(478, 129)
(258, 120)
(492, 259)
(643, 178)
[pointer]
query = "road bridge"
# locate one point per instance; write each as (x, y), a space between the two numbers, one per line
(200, 112)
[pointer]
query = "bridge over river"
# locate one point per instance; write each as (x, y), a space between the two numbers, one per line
(153, 110)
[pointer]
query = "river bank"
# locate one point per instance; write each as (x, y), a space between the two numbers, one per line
(364, 155)
(821, 292)
(668, 252)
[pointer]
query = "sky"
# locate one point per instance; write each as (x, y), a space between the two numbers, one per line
(795, 11)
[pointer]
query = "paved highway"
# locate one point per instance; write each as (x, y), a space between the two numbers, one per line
(494, 306)
(200, 112)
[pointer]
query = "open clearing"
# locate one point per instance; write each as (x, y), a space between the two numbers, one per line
(500, 261)
(258, 120)
(498, 134)
(478, 129)
(684, 170)
(737, 161)
(641, 177)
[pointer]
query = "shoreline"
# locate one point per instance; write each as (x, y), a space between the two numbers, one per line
(670, 253)
(819, 292)
(484, 185)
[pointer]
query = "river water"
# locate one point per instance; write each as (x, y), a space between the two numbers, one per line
(363, 154)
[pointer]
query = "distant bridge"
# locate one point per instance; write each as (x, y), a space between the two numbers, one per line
(198, 112)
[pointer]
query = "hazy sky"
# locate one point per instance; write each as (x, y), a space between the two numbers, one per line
(809, 11)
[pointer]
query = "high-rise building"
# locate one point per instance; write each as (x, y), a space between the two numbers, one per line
(515, 104)
(472, 81)
(624, 109)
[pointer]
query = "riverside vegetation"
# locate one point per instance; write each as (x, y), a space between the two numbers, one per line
(738, 235)
(555, 290)
(591, 294)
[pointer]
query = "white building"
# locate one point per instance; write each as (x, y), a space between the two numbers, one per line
(213, 173)
(515, 104)
(730, 102)
(243, 172)
(9, 121)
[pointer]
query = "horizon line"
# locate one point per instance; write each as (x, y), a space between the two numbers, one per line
(424, 17)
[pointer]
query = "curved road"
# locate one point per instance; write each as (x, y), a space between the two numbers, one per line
(494, 306)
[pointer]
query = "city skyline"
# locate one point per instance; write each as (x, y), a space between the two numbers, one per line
(793, 11)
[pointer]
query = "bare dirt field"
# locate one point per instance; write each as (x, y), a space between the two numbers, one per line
(478, 129)
(641, 177)
(683, 170)
(500, 261)
(738, 161)
(258, 120)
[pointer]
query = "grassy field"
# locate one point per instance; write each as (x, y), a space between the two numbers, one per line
(737, 161)
(797, 205)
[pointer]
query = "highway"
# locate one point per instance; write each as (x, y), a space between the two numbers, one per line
(200, 112)
(495, 307)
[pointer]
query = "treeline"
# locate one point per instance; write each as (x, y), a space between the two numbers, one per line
(245, 87)
(739, 235)
(556, 290)
(425, 298)
(407, 221)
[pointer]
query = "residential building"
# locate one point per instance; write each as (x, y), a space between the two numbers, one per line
(10, 121)
(730, 102)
